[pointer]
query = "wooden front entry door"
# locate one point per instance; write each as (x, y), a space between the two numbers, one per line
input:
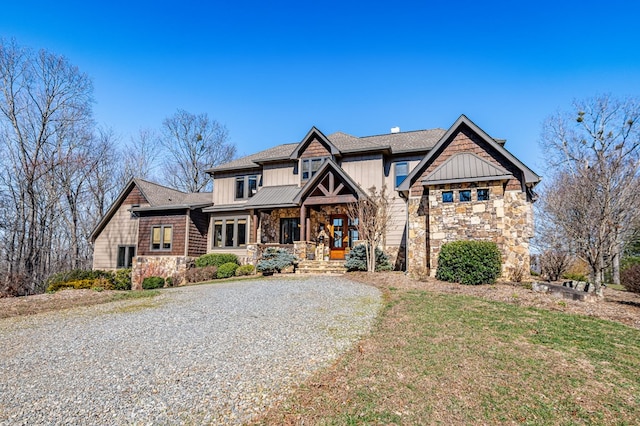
(339, 236)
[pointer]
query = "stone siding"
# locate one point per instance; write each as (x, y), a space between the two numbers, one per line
(157, 266)
(506, 219)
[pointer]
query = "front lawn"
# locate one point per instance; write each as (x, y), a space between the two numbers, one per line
(455, 359)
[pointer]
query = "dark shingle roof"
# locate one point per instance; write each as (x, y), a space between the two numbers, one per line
(161, 196)
(419, 140)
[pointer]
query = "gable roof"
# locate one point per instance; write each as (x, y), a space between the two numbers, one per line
(529, 176)
(158, 196)
(279, 152)
(463, 167)
(312, 183)
(308, 138)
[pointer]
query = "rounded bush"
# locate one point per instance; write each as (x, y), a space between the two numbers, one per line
(216, 259)
(275, 259)
(196, 275)
(227, 270)
(469, 262)
(245, 270)
(151, 283)
(122, 280)
(630, 278)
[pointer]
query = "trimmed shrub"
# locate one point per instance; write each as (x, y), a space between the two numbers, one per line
(79, 274)
(122, 279)
(357, 260)
(630, 278)
(245, 270)
(151, 283)
(75, 284)
(216, 259)
(469, 262)
(275, 259)
(197, 275)
(227, 270)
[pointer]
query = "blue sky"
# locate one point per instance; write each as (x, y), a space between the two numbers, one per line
(271, 70)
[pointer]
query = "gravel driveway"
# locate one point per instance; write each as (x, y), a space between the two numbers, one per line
(214, 354)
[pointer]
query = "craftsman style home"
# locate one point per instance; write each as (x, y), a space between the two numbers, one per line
(444, 185)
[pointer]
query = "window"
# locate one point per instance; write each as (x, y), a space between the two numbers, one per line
(483, 194)
(402, 170)
(447, 196)
(289, 230)
(465, 195)
(125, 256)
(310, 167)
(240, 187)
(161, 237)
(231, 232)
(246, 186)
(353, 232)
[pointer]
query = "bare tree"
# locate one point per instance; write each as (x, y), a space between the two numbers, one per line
(194, 144)
(593, 155)
(140, 157)
(372, 217)
(45, 113)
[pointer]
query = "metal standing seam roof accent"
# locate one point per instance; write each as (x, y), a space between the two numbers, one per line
(465, 166)
(280, 196)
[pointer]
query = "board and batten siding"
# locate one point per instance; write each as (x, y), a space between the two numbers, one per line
(365, 170)
(121, 230)
(279, 174)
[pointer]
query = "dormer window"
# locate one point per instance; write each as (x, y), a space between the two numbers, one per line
(246, 186)
(310, 167)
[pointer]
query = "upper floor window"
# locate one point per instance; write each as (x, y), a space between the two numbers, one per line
(483, 194)
(447, 196)
(310, 167)
(402, 170)
(246, 186)
(161, 237)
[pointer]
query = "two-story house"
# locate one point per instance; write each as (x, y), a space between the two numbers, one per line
(444, 185)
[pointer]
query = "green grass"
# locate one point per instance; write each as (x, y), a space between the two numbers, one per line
(450, 359)
(134, 294)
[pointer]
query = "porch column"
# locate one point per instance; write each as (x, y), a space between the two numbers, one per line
(303, 222)
(308, 229)
(253, 237)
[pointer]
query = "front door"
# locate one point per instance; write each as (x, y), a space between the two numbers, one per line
(339, 236)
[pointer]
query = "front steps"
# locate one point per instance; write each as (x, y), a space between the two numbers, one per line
(321, 267)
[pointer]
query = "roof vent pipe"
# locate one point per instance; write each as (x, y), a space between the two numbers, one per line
(395, 129)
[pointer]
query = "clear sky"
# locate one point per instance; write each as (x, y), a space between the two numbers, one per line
(269, 70)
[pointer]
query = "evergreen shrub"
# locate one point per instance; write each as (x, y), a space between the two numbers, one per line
(151, 283)
(122, 279)
(227, 270)
(275, 259)
(357, 260)
(245, 270)
(469, 262)
(216, 259)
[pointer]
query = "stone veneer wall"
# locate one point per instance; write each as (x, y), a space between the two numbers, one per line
(157, 266)
(506, 218)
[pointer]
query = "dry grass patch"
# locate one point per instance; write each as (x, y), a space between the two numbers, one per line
(439, 358)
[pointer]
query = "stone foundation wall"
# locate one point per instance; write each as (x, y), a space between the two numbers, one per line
(157, 266)
(506, 219)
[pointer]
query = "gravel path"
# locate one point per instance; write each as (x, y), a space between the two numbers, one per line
(215, 354)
